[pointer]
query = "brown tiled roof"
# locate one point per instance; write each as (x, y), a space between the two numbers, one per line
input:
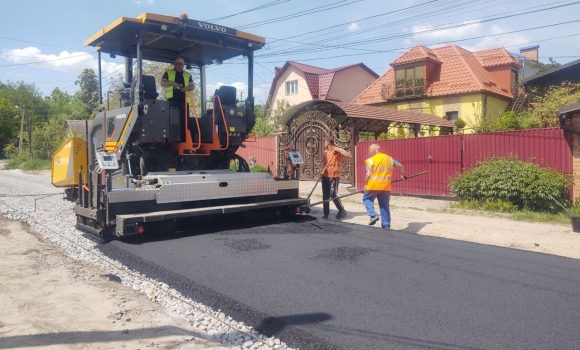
(324, 82)
(317, 79)
(417, 54)
(346, 113)
(495, 58)
(461, 72)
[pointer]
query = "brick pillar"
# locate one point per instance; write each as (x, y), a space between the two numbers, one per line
(576, 157)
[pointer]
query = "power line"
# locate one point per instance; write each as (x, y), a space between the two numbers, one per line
(407, 48)
(56, 59)
(37, 43)
(301, 13)
(405, 35)
(269, 4)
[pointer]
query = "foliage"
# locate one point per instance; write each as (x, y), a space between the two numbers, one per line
(18, 100)
(527, 121)
(460, 123)
(266, 119)
(546, 107)
(523, 184)
(258, 169)
(542, 67)
(89, 90)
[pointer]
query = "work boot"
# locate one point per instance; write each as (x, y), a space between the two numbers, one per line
(325, 216)
(341, 214)
(373, 220)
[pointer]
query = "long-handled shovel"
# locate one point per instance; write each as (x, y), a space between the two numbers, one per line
(323, 170)
(357, 192)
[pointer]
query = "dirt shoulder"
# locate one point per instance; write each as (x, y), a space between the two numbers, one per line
(51, 301)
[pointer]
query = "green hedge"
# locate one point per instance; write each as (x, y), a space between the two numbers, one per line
(524, 184)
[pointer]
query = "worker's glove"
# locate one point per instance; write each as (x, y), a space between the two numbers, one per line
(403, 177)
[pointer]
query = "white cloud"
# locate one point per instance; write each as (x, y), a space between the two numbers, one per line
(353, 26)
(472, 29)
(139, 2)
(428, 32)
(70, 62)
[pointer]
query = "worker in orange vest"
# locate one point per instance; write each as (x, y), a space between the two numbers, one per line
(379, 172)
(332, 158)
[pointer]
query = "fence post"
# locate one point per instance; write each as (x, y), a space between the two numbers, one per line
(576, 157)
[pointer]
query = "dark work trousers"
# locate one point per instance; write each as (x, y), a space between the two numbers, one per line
(330, 190)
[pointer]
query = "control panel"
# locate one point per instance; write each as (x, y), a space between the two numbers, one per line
(295, 157)
(107, 160)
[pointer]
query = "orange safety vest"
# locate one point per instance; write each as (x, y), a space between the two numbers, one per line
(381, 166)
(334, 169)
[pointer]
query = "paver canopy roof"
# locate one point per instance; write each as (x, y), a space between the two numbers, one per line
(165, 38)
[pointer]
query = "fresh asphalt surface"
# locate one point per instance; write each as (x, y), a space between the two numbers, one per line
(320, 284)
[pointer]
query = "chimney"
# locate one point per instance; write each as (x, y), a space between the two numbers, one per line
(276, 70)
(530, 52)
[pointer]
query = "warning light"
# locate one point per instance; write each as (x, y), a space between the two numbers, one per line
(140, 229)
(298, 210)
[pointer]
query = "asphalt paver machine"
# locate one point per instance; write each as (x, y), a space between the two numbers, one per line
(151, 165)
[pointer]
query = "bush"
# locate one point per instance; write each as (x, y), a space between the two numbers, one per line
(523, 184)
(259, 169)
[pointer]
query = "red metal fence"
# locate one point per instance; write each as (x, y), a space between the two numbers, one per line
(263, 151)
(445, 156)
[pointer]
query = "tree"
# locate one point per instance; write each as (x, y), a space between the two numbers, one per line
(89, 90)
(545, 66)
(266, 120)
(546, 107)
(21, 95)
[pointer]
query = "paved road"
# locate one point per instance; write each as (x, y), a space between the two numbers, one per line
(325, 285)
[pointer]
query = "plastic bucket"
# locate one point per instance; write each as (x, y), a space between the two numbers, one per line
(575, 223)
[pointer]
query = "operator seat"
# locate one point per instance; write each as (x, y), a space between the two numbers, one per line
(149, 87)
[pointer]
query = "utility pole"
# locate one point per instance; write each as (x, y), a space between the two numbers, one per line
(29, 119)
(241, 96)
(21, 130)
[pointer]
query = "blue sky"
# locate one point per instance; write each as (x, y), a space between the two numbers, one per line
(41, 42)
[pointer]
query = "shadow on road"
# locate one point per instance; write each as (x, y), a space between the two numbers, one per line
(62, 338)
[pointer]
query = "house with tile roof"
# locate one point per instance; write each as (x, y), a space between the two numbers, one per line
(296, 83)
(450, 82)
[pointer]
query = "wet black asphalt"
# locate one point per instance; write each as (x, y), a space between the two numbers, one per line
(320, 284)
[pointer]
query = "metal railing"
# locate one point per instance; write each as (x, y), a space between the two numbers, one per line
(402, 89)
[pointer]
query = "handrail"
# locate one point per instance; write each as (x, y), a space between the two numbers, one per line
(196, 121)
(224, 120)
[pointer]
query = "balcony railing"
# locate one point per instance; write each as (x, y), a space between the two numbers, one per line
(402, 89)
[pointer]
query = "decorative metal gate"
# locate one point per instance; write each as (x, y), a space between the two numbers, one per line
(307, 131)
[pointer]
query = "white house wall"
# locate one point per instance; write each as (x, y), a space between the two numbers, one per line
(303, 94)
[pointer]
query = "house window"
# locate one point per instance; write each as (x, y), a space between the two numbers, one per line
(410, 81)
(292, 87)
(452, 116)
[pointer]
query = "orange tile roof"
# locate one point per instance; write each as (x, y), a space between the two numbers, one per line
(495, 57)
(417, 54)
(461, 72)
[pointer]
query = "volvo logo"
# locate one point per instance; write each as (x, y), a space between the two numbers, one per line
(121, 116)
(212, 27)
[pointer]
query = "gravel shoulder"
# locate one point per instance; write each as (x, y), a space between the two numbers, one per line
(54, 296)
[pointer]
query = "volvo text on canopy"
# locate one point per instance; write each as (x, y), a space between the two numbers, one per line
(151, 165)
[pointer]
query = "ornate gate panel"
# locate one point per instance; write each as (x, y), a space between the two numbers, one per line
(307, 131)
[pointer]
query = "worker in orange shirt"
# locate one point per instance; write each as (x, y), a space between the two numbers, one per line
(332, 158)
(379, 173)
